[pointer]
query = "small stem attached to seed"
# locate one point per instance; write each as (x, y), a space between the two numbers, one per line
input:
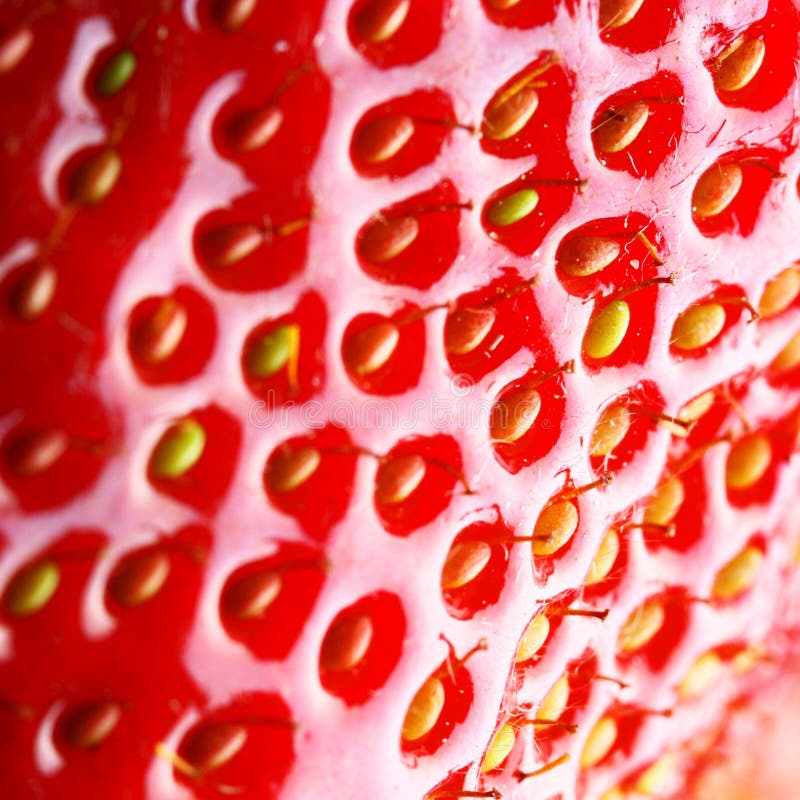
(605, 479)
(522, 776)
(659, 417)
(493, 794)
(567, 726)
(666, 531)
(453, 663)
(562, 611)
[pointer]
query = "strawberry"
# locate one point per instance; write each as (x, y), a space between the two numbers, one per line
(401, 398)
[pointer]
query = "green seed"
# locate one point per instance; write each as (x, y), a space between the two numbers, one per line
(179, 450)
(271, 352)
(607, 330)
(31, 589)
(513, 208)
(116, 73)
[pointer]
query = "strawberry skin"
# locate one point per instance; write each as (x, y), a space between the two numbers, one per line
(400, 397)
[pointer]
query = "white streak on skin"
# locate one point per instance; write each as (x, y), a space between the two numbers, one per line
(48, 759)
(190, 14)
(79, 126)
(21, 251)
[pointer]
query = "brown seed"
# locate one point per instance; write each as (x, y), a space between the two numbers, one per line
(716, 189)
(37, 452)
(346, 643)
(249, 596)
(610, 430)
(230, 15)
(209, 747)
(465, 561)
(378, 20)
(503, 5)
(383, 138)
(619, 127)
(580, 256)
(156, 338)
(229, 244)
(384, 239)
(508, 112)
(252, 129)
(780, 293)
(14, 47)
(139, 577)
(34, 292)
(616, 13)
(289, 469)
(368, 350)
(89, 726)
(514, 415)
(466, 329)
(95, 178)
(739, 65)
(398, 478)
(555, 526)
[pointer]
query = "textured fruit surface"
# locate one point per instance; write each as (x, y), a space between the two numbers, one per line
(401, 398)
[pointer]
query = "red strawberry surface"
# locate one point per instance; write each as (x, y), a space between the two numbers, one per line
(401, 398)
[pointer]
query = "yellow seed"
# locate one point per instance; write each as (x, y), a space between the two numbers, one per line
(780, 293)
(698, 326)
(611, 428)
(514, 415)
(716, 189)
(290, 469)
(554, 703)
(665, 502)
(31, 588)
(739, 65)
(613, 794)
(606, 330)
(616, 13)
(619, 127)
(383, 138)
(346, 643)
(738, 575)
(580, 256)
(748, 658)
(599, 742)
(641, 626)
(379, 20)
(508, 112)
(178, 450)
(465, 561)
(398, 478)
(555, 527)
(424, 711)
(697, 407)
(604, 559)
(534, 638)
(657, 776)
(701, 676)
(499, 748)
(789, 357)
(369, 350)
(512, 208)
(748, 461)
(465, 329)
